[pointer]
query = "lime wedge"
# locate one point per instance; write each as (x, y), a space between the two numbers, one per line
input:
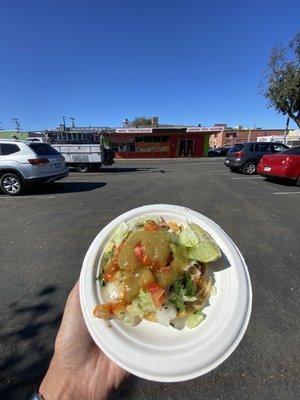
(207, 249)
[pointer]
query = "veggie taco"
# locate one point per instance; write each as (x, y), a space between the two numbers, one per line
(157, 270)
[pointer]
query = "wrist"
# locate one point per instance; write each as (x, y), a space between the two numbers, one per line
(56, 384)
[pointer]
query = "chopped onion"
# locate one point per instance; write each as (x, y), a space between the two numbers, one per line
(165, 314)
(111, 290)
(179, 323)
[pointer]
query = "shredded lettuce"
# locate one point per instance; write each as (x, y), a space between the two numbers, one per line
(143, 219)
(134, 314)
(136, 310)
(109, 246)
(146, 302)
(121, 233)
(195, 319)
(100, 279)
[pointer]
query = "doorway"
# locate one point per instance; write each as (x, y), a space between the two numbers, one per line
(186, 148)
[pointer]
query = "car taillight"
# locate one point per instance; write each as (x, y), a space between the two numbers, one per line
(239, 154)
(38, 161)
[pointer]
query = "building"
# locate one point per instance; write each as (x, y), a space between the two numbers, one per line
(161, 141)
(230, 136)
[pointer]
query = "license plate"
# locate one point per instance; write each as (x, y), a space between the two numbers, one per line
(267, 169)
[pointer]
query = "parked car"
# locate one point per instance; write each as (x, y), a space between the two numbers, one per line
(220, 152)
(281, 165)
(244, 157)
(23, 163)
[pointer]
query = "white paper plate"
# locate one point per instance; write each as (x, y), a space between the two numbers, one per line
(153, 351)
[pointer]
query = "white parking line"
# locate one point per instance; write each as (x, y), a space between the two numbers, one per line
(27, 197)
(287, 192)
(250, 177)
(218, 170)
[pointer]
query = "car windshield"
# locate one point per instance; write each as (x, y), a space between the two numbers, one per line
(236, 147)
(295, 151)
(43, 149)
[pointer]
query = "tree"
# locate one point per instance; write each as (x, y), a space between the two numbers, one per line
(141, 121)
(282, 87)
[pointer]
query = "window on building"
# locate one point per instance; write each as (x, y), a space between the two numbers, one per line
(164, 138)
(124, 147)
(230, 134)
(148, 139)
(156, 139)
(139, 139)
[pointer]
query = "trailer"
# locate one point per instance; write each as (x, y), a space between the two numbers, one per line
(85, 157)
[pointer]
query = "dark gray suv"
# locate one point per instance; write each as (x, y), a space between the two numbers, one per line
(244, 157)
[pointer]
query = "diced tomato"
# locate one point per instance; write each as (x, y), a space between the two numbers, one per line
(152, 287)
(166, 270)
(151, 226)
(103, 311)
(158, 297)
(109, 310)
(111, 271)
(139, 252)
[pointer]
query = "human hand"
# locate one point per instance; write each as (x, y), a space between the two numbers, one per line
(78, 369)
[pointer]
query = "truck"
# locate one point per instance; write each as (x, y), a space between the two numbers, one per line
(85, 157)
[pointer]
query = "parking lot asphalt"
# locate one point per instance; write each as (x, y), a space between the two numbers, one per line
(45, 234)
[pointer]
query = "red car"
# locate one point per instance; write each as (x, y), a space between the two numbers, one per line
(281, 165)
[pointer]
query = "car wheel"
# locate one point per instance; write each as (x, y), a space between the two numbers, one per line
(83, 168)
(11, 184)
(249, 168)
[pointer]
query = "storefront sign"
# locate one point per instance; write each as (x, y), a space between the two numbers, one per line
(205, 129)
(134, 130)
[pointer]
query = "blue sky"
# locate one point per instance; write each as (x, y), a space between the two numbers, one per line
(101, 61)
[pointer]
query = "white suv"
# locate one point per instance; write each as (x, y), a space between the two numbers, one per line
(23, 163)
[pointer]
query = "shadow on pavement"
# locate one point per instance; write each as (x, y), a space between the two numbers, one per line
(131, 169)
(65, 187)
(25, 346)
(280, 182)
(119, 170)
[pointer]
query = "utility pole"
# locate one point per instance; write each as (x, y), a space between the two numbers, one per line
(18, 124)
(286, 130)
(249, 133)
(64, 123)
(72, 119)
